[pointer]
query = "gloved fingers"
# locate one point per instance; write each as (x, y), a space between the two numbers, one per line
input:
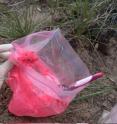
(5, 55)
(5, 47)
(4, 69)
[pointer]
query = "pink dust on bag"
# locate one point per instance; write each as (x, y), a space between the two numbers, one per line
(46, 76)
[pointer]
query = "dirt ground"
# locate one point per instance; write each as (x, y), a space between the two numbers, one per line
(88, 110)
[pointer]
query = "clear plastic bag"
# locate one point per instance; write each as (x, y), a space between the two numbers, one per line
(45, 73)
(109, 117)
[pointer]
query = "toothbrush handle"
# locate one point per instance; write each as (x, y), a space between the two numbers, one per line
(86, 81)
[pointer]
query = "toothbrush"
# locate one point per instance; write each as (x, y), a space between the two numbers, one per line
(85, 81)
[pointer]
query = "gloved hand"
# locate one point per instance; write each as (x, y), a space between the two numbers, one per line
(7, 65)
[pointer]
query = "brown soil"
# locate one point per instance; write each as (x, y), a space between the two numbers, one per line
(88, 110)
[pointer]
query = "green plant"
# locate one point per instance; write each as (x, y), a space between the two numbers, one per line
(78, 14)
(16, 24)
(85, 17)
